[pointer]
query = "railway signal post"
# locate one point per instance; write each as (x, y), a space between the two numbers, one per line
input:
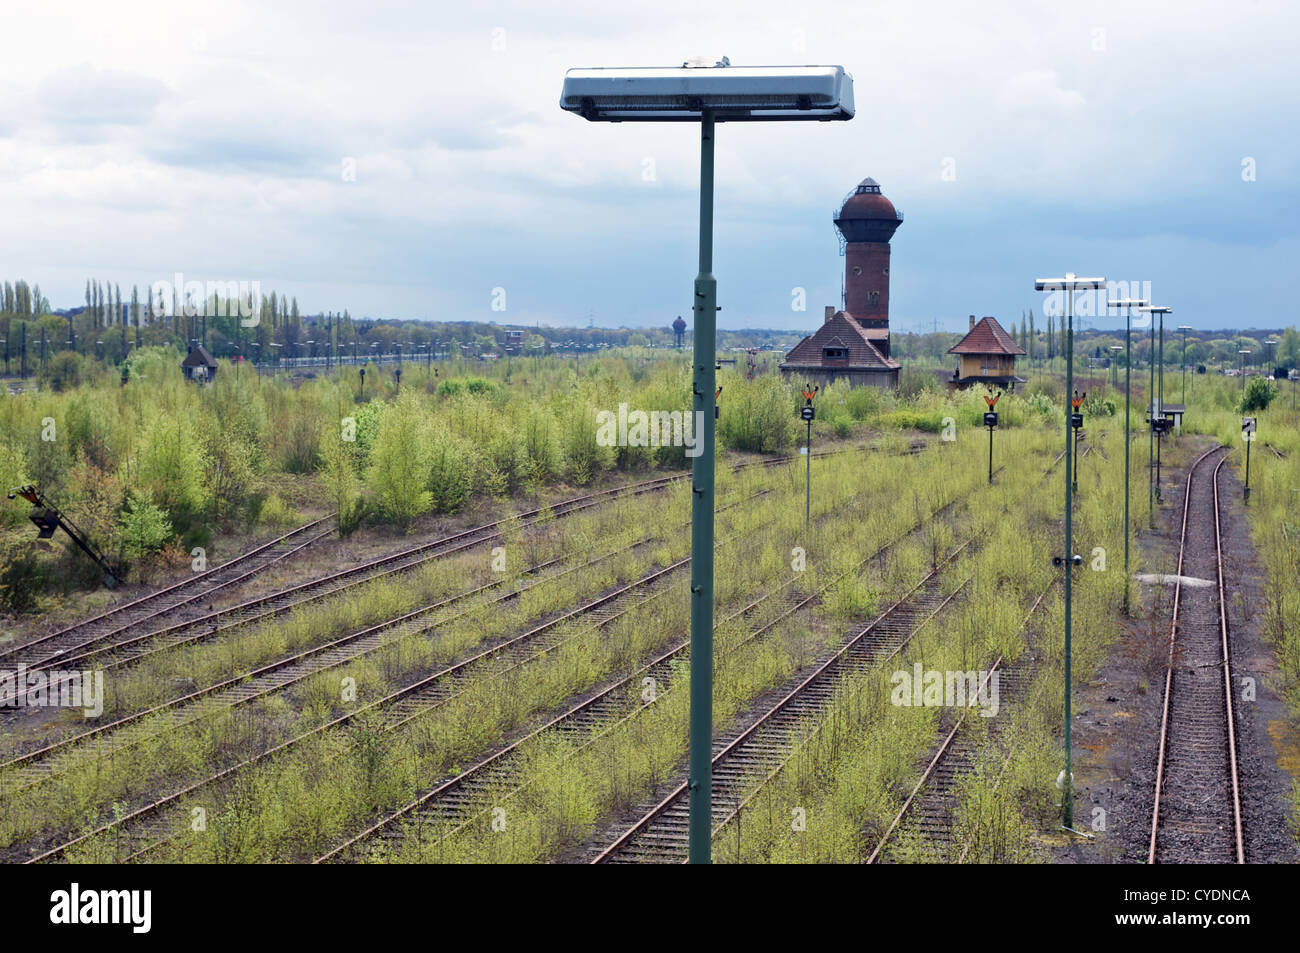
(1248, 435)
(808, 412)
(1066, 287)
(1076, 425)
(991, 421)
(707, 95)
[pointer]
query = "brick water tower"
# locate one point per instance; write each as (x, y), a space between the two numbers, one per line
(866, 222)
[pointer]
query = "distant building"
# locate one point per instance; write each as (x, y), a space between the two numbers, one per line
(853, 344)
(514, 342)
(199, 365)
(840, 349)
(986, 355)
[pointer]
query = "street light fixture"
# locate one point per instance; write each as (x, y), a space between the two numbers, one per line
(1242, 365)
(1269, 344)
(1068, 285)
(707, 95)
(1128, 304)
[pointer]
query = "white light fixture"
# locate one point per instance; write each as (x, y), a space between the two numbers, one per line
(733, 93)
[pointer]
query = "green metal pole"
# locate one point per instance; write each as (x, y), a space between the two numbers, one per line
(1183, 361)
(1128, 390)
(1246, 495)
(807, 504)
(706, 320)
(1162, 364)
(1151, 439)
(1067, 805)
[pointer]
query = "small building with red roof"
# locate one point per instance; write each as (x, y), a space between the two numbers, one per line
(986, 355)
(842, 349)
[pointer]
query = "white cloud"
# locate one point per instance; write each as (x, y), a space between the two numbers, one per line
(214, 133)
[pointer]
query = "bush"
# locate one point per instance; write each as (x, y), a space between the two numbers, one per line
(864, 402)
(275, 512)
(449, 471)
(1259, 393)
(64, 371)
(399, 471)
(757, 415)
(23, 577)
(914, 381)
(143, 528)
(300, 449)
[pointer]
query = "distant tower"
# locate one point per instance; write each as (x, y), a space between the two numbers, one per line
(679, 329)
(867, 221)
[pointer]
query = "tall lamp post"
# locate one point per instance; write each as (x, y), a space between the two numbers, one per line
(707, 95)
(1128, 304)
(1155, 411)
(1067, 286)
(1242, 365)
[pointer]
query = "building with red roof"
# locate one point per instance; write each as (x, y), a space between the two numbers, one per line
(986, 355)
(853, 344)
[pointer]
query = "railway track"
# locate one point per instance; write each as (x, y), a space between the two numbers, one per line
(45, 762)
(744, 761)
(450, 807)
(930, 809)
(155, 828)
(405, 705)
(53, 649)
(1196, 812)
(129, 639)
(128, 647)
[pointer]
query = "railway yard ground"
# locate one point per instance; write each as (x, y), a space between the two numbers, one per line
(401, 697)
(1118, 712)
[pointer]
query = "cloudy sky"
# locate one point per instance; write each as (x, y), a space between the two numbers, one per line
(406, 159)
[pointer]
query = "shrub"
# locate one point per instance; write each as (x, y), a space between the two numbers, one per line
(864, 402)
(399, 471)
(172, 467)
(23, 577)
(914, 381)
(12, 473)
(275, 512)
(143, 528)
(757, 415)
(449, 471)
(300, 447)
(1258, 394)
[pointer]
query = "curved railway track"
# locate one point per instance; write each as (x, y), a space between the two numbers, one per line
(1196, 812)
